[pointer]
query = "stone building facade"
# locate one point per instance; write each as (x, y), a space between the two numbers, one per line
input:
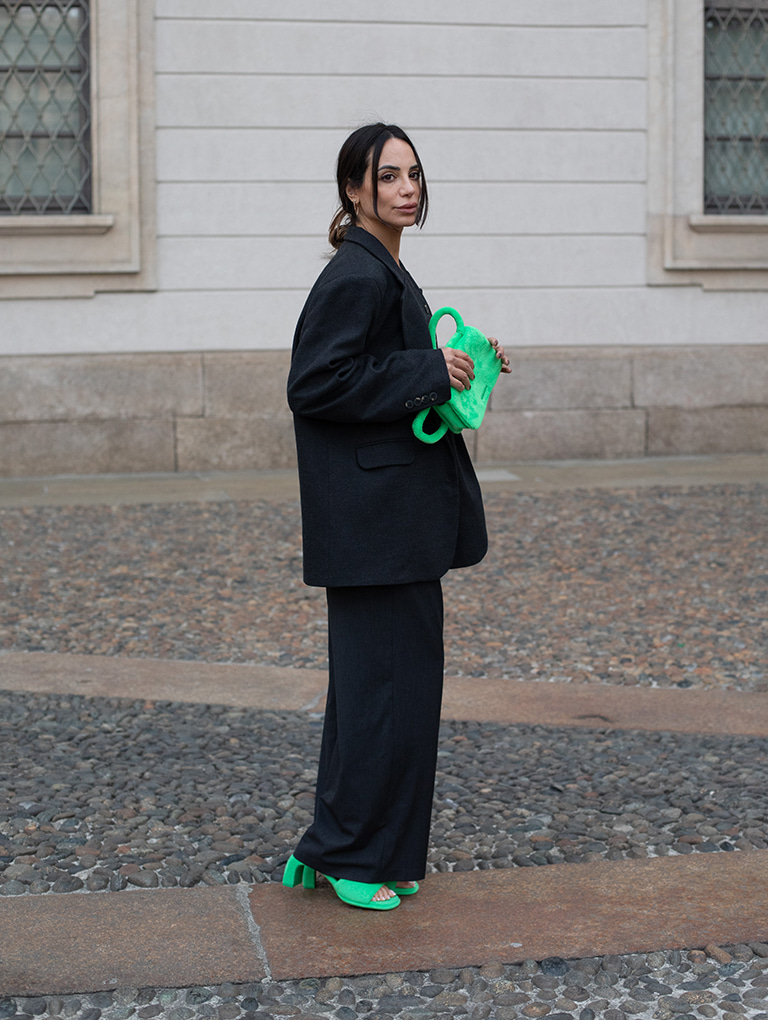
(571, 215)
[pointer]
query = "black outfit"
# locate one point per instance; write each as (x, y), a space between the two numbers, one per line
(384, 517)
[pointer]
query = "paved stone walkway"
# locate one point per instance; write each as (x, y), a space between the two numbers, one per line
(65, 944)
(225, 935)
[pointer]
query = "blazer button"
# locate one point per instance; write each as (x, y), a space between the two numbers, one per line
(425, 399)
(417, 401)
(409, 404)
(433, 397)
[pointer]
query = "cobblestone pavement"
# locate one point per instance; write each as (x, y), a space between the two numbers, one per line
(650, 586)
(655, 587)
(729, 984)
(102, 793)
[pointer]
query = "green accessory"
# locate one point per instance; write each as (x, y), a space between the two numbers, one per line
(356, 894)
(360, 894)
(466, 408)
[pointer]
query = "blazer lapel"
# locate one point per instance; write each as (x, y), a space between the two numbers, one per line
(415, 310)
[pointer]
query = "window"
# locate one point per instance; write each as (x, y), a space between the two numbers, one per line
(708, 144)
(736, 109)
(76, 147)
(45, 155)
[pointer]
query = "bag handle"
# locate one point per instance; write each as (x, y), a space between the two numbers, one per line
(418, 422)
(419, 431)
(438, 316)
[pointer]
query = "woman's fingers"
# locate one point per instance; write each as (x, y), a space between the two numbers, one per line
(505, 365)
(461, 368)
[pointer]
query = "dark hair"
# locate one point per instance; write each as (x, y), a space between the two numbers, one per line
(361, 150)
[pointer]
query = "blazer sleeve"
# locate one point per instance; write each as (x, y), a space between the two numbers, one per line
(336, 375)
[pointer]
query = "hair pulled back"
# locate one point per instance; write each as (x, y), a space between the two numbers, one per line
(361, 150)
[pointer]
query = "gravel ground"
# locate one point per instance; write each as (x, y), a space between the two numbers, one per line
(655, 587)
(662, 986)
(102, 793)
(649, 586)
(163, 794)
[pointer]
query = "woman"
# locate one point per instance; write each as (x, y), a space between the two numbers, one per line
(384, 517)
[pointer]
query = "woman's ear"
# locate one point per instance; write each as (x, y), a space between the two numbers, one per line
(352, 192)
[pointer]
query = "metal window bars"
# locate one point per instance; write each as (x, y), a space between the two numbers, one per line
(736, 108)
(45, 111)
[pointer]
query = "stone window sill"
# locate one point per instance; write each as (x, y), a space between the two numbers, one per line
(58, 226)
(729, 224)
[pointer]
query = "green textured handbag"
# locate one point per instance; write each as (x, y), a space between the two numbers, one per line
(466, 408)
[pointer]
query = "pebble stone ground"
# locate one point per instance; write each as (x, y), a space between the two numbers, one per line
(658, 586)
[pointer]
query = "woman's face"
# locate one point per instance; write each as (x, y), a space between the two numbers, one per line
(399, 188)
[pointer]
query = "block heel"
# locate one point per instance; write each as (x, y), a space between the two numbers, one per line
(297, 873)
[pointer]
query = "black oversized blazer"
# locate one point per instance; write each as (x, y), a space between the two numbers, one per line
(378, 506)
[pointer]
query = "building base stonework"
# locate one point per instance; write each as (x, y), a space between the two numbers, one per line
(136, 413)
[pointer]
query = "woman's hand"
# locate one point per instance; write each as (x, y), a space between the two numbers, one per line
(461, 368)
(505, 365)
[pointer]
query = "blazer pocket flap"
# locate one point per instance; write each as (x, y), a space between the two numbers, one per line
(386, 454)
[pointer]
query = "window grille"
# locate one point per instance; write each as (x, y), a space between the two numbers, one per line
(736, 108)
(45, 150)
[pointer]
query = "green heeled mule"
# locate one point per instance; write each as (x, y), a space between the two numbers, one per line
(356, 894)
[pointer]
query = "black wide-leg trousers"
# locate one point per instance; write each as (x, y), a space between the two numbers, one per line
(376, 774)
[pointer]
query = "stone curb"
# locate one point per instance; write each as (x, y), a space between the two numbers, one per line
(528, 476)
(602, 706)
(61, 944)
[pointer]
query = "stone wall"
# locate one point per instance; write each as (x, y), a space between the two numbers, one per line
(563, 403)
(95, 414)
